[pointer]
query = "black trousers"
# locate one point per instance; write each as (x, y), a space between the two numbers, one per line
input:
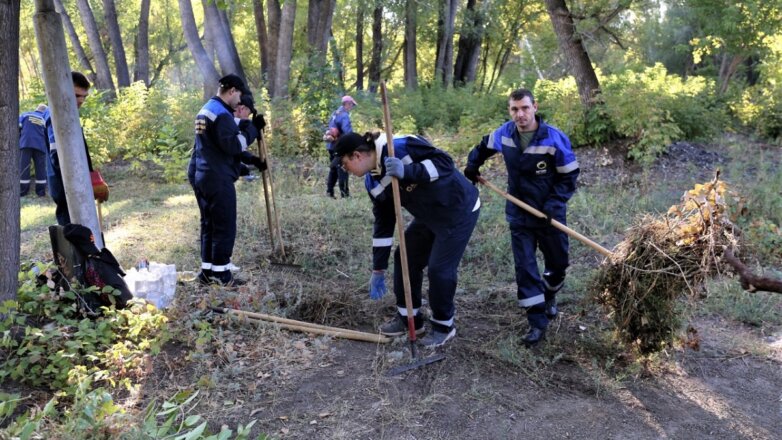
(38, 159)
(336, 173)
(217, 205)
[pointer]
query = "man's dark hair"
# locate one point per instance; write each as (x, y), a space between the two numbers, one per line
(519, 94)
(79, 80)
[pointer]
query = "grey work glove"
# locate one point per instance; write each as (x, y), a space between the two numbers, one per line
(395, 167)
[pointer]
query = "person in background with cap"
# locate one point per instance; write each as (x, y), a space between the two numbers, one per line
(339, 125)
(220, 145)
(33, 145)
(445, 209)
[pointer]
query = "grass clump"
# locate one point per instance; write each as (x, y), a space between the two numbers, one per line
(660, 259)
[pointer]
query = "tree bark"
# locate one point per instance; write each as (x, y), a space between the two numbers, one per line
(469, 45)
(377, 48)
(103, 79)
(285, 49)
(117, 47)
(10, 229)
(229, 36)
(410, 61)
(444, 61)
(84, 62)
(263, 38)
(65, 118)
(141, 69)
(575, 53)
(219, 38)
(320, 14)
(208, 71)
(274, 15)
(728, 67)
(360, 46)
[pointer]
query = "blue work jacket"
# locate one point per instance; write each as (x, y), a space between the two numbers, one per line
(32, 131)
(340, 120)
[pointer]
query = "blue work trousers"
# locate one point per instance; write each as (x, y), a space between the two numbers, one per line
(38, 159)
(440, 251)
(553, 244)
(217, 204)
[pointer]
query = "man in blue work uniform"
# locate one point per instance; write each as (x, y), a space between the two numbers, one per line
(81, 88)
(243, 111)
(339, 125)
(542, 172)
(219, 145)
(33, 145)
(445, 209)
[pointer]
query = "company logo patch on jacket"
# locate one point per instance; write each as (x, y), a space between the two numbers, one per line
(542, 168)
(200, 125)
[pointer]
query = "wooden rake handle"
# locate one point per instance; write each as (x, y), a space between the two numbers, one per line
(540, 214)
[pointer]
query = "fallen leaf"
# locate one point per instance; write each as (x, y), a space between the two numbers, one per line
(313, 422)
(324, 414)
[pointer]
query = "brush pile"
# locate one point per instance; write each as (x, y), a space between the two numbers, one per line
(661, 259)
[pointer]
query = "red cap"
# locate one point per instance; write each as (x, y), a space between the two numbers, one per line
(348, 98)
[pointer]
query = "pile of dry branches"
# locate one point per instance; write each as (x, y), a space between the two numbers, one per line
(662, 258)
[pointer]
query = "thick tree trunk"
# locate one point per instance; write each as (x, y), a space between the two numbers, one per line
(469, 45)
(9, 147)
(274, 15)
(65, 118)
(208, 71)
(103, 79)
(219, 38)
(263, 39)
(141, 70)
(117, 47)
(410, 61)
(728, 67)
(575, 53)
(225, 25)
(360, 46)
(84, 62)
(444, 61)
(285, 49)
(377, 48)
(320, 14)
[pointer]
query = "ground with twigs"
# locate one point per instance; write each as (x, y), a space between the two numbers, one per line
(721, 380)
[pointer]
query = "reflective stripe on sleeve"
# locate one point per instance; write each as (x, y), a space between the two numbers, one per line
(568, 168)
(540, 150)
(431, 170)
(243, 141)
(529, 302)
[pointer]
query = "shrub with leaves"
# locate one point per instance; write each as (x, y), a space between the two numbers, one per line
(48, 342)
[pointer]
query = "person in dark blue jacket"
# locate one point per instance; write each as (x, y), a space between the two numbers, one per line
(244, 110)
(542, 172)
(339, 124)
(34, 146)
(220, 144)
(445, 209)
(81, 88)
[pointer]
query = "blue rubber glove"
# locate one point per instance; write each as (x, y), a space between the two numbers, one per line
(377, 284)
(395, 167)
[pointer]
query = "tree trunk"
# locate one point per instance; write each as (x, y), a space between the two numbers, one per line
(444, 62)
(263, 39)
(728, 67)
(274, 14)
(84, 62)
(213, 26)
(410, 61)
(285, 49)
(229, 36)
(103, 79)
(360, 46)
(469, 45)
(141, 70)
(319, 17)
(65, 118)
(208, 71)
(117, 47)
(377, 48)
(575, 53)
(9, 148)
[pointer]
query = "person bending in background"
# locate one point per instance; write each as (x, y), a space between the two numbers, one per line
(220, 144)
(445, 209)
(339, 125)
(542, 172)
(33, 146)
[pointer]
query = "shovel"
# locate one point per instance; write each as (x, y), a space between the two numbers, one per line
(402, 252)
(540, 214)
(275, 235)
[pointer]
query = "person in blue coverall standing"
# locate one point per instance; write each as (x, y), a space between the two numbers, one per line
(542, 172)
(445, 209)
(33, 145)
(220, 144)
(339, 125)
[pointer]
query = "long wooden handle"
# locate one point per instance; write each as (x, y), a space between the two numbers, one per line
(267, 174)
(266, 198)
(307, 327)
(400, 225)
(539, 214)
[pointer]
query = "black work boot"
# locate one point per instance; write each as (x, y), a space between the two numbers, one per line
(551, 306)
(397, 326)
(225, 278)
(204, 277)
(534, 336)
